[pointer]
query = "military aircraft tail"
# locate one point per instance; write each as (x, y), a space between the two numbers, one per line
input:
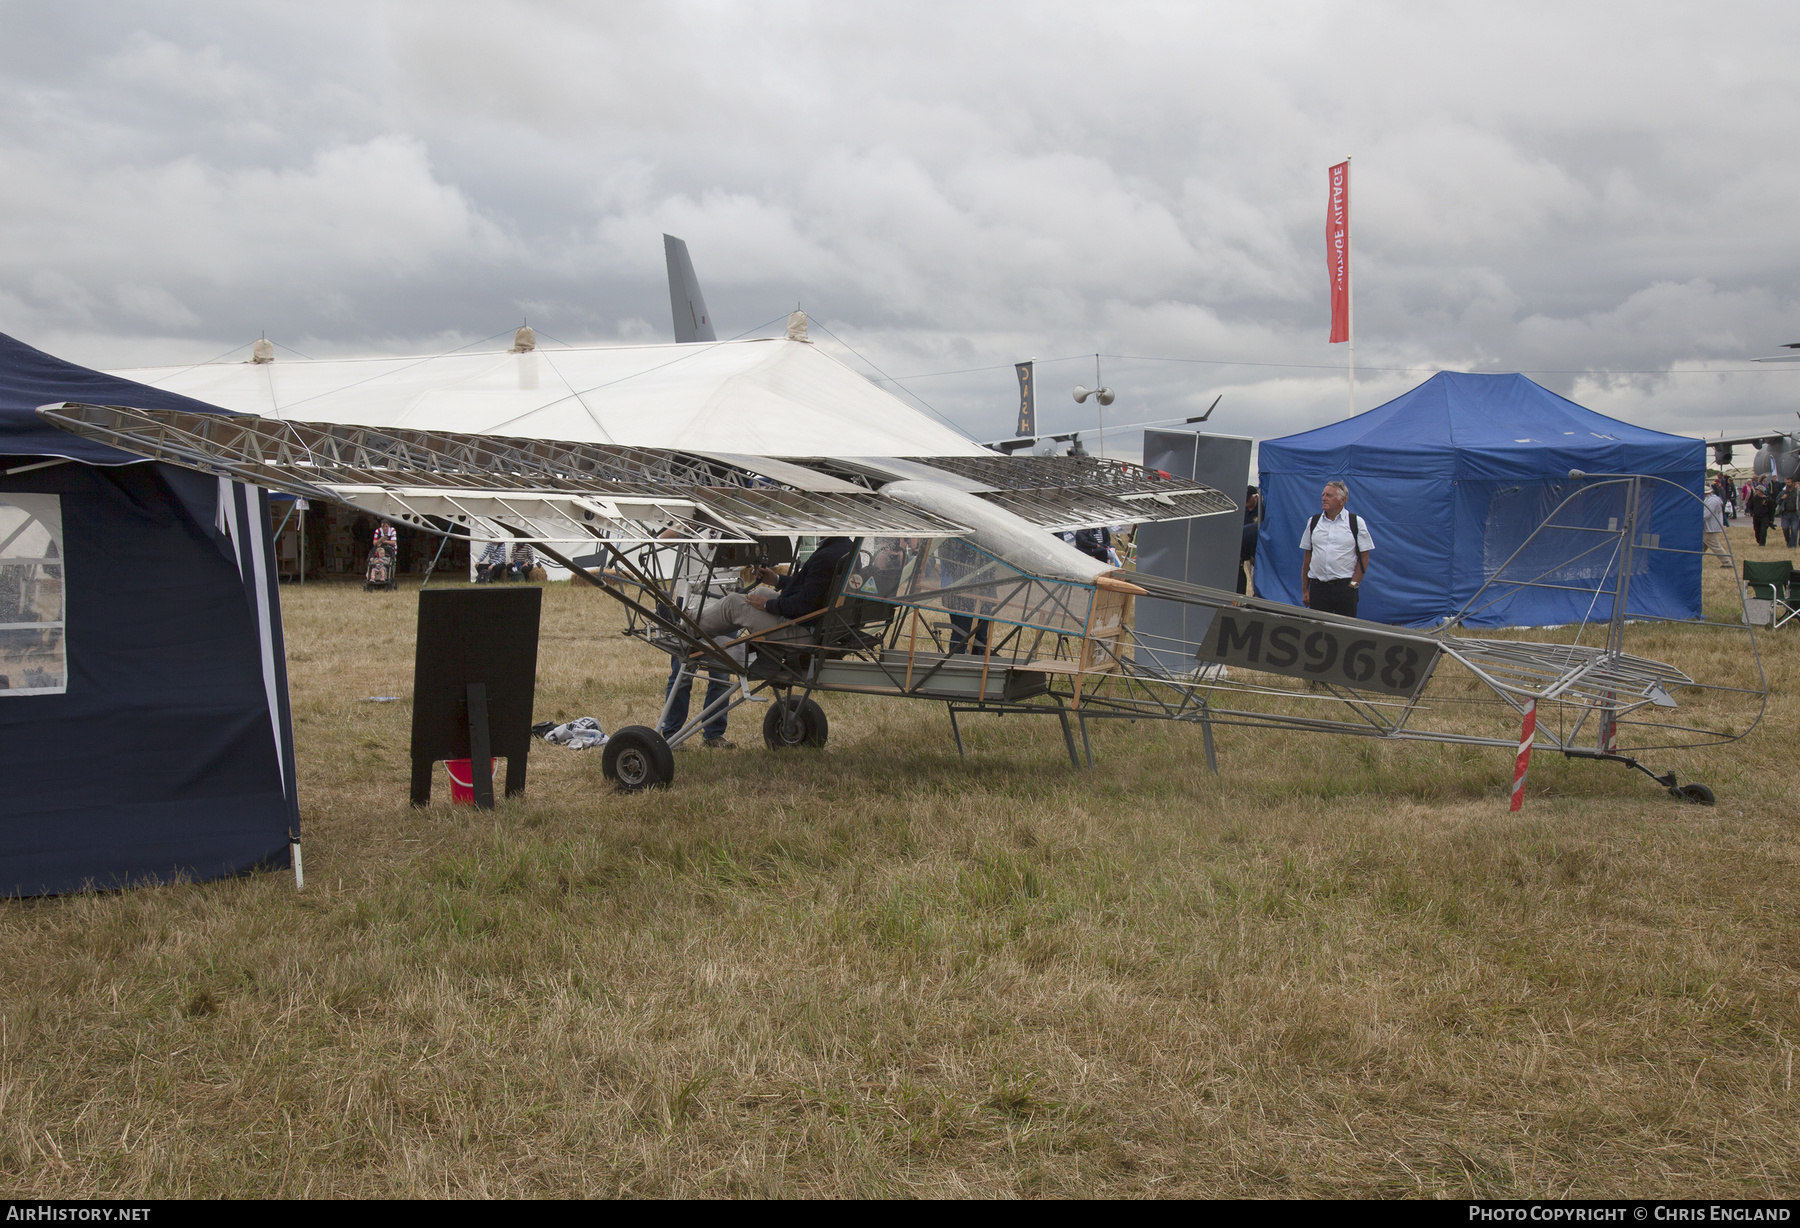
(685, 304)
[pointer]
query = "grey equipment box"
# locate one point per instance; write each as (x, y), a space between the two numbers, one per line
(1201, 551)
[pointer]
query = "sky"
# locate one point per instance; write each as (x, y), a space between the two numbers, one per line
(1606, 203)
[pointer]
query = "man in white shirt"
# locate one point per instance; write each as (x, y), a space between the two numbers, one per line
(1715, 528)
(1336, 545)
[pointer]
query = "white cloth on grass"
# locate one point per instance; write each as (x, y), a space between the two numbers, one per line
(578, 734)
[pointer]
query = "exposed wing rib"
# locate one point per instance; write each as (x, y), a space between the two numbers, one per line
(1078, 492)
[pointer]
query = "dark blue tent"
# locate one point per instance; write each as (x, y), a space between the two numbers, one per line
(1454, 475)
(144, 725)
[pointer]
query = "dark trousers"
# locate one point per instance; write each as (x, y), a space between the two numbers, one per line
(1332, 597)
(718, 685)
(967, 635)
(1790, 528)
(1761, 525)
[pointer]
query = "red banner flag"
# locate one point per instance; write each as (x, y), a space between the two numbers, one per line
(1337, 250)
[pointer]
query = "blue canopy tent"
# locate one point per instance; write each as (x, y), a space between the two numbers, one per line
(1452, 478)
(144, 726)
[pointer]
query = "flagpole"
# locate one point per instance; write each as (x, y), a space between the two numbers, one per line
(1350, 284)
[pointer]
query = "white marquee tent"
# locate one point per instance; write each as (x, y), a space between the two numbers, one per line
(775, 397)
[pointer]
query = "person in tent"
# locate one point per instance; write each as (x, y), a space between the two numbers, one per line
(384, 549)
(491, 566)
(1336, 546)
(524, 558)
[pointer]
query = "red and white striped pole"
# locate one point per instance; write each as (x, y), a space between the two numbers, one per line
(1524, 761)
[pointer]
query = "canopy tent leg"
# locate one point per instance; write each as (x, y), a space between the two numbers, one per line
(955, 732)
(1206, 737)
(299, 874)
(432, 570)
(275, 540)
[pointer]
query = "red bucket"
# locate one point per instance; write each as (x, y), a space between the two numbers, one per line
(462, 779)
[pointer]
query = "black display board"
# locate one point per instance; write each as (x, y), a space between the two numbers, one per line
(474, 679)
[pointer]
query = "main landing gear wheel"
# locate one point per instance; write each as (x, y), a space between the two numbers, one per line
(636, 757)
(794, 722)
(1700, 795)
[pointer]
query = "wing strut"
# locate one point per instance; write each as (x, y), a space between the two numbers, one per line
(703, 641)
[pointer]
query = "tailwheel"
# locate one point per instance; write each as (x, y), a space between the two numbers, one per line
(1698, 794)
(637, 757)
(792, 722)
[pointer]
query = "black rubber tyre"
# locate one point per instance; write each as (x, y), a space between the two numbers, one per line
(1700, 795)
(637, 757)
(807, 726)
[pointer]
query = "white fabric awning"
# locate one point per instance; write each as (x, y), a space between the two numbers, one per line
(772, 397)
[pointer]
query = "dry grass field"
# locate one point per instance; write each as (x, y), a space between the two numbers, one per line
(1337, 969)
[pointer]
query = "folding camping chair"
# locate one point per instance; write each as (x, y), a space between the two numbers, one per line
(1771, 593)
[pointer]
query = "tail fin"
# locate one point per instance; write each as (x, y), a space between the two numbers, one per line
(689, 309)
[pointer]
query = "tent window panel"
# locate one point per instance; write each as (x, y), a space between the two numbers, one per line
(1569, 552)
(33, 655)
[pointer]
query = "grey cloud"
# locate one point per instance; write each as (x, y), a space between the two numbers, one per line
(1540, 187)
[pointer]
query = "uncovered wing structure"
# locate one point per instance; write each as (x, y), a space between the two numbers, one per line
(568, 493)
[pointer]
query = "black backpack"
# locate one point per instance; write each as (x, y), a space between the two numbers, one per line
(1355, 529)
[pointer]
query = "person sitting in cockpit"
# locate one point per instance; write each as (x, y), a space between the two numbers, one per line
(795, 596)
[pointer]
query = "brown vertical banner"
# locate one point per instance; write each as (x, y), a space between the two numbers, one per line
(1027, 400)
